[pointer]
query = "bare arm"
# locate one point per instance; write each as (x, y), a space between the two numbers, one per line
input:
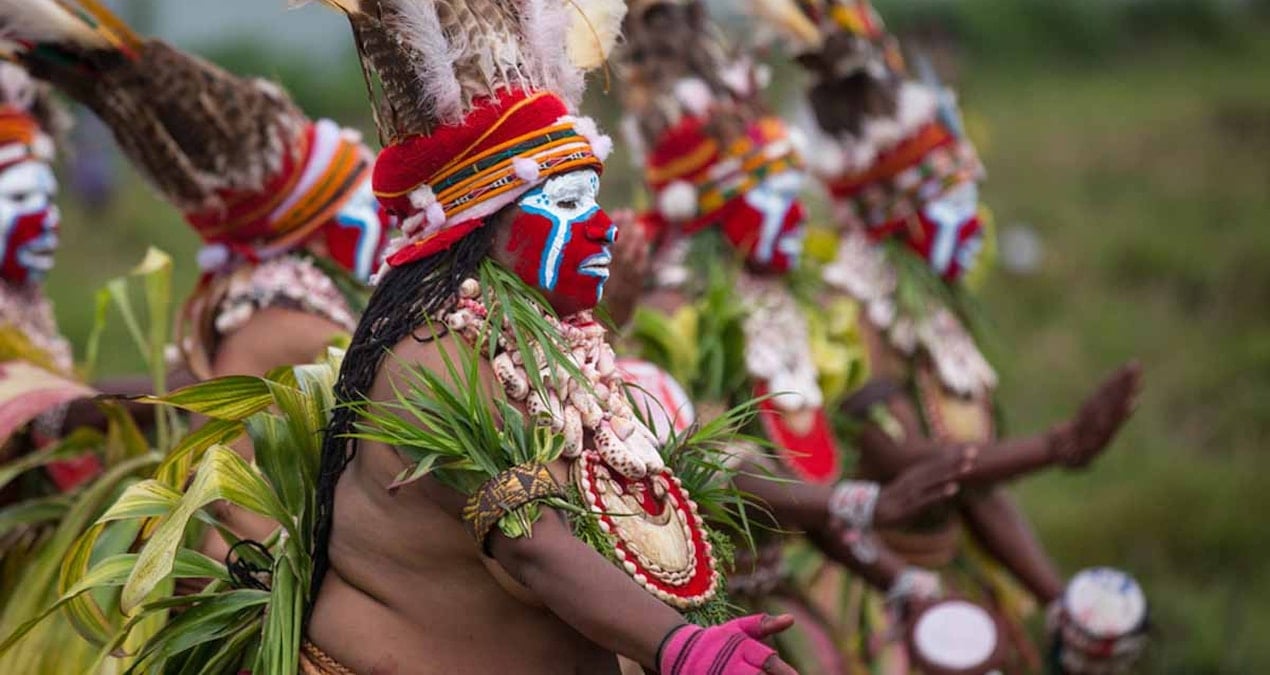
(582, 588)
(997, 523)
(1073, 443)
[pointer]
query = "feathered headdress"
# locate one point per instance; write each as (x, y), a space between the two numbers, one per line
(235, 155)
(694, 112)
(30, 121)
(474, 101)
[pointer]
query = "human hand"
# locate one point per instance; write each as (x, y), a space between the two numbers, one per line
(1077, 442)
(921, 486)
(735, 648)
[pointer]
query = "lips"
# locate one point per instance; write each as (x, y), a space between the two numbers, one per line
(597, 265)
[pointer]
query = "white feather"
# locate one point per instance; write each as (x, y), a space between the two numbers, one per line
(46, 21)
(545, 25)
(419, 27)
(595, 28)
(786, 17)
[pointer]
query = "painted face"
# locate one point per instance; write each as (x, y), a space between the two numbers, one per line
(953, 232)
(559, 241)
(356, 236)
(28, 222)
(766, 224)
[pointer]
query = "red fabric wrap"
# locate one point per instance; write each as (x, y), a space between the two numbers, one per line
(684, 152)
(245, 216)
(18, 128)
(405, 166)
(311, 193)
(407, 171)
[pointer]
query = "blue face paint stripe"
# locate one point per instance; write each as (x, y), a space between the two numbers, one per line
(561, 234)
(366, 241)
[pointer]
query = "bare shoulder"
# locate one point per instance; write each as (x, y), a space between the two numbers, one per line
(274, 336)
(444, 355)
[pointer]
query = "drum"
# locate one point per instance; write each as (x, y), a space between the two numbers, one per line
(1102, 623)
(956, 637)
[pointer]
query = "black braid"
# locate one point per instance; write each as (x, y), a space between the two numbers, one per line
(403, 300)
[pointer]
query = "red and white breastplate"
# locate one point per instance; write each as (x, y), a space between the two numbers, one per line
(615, 459)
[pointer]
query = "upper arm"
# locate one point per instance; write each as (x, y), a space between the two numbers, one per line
(273, 337)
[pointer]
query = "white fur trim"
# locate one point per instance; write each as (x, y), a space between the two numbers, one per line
(601, 144)
(677, 201)
(694, 95)
(526, 169)
(435, 215)
(422, 196)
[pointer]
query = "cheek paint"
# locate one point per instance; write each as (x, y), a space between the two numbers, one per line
(29, 244)
(356, 237)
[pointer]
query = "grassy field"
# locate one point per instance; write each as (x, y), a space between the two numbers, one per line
(1147, 179)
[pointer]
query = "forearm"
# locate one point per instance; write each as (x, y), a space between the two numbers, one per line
(1000, 527)
(792, 504)
(582, 588)
(1011, 458)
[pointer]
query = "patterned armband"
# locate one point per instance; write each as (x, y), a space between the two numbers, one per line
(853, 503)
(503, 494)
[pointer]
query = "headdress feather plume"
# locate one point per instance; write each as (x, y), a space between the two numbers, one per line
(430, 59)
(194, 129)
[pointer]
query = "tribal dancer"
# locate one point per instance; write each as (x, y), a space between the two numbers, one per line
(723, 316)
(284, 206)
(29, 121)
(482, 319)
(905, 185)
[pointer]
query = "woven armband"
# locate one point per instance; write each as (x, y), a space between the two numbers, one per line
(510, 490)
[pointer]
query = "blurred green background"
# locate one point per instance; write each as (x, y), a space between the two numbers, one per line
(1133, 136)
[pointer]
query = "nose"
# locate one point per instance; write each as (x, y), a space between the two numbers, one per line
(600, 228)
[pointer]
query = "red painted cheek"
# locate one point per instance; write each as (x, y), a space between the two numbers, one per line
(526, 243)
(25, 229)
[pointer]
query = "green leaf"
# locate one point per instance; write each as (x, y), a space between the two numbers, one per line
(222, 475)
(181, 460)
(33, 512)
(235, 397)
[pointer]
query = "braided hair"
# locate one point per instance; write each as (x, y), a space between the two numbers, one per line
(403, 301)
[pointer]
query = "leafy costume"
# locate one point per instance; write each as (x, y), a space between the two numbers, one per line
(904, 180)
(724, 177)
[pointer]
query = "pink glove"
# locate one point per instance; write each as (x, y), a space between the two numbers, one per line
(735, 648)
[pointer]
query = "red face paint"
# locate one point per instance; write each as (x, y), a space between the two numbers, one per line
(767, 224)
(948, 231)
(355, 238)
(560, 240)
(28, 222)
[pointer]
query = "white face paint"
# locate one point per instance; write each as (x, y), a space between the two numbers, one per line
(950, 212)
(565, 202)
(772, 199)
(28, 220)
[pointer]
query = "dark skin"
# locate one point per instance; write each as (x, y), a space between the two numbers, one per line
(399, 561)
(990, 515)
(273, 337)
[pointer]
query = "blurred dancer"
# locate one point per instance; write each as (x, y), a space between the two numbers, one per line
(904, 179)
